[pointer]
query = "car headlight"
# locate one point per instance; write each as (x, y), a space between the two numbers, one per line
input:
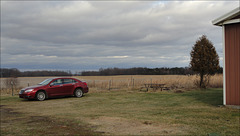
(29, 90)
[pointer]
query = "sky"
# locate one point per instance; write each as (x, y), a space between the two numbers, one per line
(89, 35)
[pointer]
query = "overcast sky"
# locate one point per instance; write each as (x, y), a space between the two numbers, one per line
(79, 35)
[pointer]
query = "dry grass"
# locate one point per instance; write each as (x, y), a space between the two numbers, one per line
(175, 82)
(125, 82)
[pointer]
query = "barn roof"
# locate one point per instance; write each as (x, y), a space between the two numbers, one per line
(231, 17)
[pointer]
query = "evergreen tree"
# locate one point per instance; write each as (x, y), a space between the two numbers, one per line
(204, 60)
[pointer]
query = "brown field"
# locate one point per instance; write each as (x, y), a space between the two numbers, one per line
(125, 82)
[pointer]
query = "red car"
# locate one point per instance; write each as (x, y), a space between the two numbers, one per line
(53, 87)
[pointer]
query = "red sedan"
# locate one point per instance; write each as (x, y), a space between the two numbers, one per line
(53, 87)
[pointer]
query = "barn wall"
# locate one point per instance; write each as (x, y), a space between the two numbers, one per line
(232, 63)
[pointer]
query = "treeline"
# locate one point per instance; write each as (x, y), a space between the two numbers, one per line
(142, 71)
(13, 72)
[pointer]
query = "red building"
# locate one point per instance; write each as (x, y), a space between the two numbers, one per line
(230, 24)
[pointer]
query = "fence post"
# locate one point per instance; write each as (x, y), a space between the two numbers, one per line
(133, 83)
(109, 87)
(12, 87)
(112, 82)
(128, 83)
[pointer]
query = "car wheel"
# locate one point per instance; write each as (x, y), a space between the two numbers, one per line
(78, 93)
(41, 96)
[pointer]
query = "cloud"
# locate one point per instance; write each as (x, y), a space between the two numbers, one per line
(89, 35)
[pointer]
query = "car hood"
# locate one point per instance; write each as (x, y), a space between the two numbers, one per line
(32, 87)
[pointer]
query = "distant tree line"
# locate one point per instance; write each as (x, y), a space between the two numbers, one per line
(142, 71)
(13, 72)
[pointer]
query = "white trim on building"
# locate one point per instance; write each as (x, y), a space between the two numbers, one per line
(224, 65)
(221, 21)
(228, 18)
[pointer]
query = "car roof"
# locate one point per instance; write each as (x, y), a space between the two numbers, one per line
(63, 78)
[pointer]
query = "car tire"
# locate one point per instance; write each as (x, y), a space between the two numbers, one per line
(78, 92)
(40, 96)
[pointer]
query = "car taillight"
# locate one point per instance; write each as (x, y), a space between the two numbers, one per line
(85, 83)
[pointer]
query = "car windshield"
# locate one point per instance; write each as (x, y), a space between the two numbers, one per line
(45, 82)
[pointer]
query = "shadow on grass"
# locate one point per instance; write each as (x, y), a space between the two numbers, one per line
(52, 98)
(212, 97)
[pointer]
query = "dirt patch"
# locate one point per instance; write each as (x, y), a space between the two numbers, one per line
(178, 91)
(122, 126)
(16, 123)
(8, 111)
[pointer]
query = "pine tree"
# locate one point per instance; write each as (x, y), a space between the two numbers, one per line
(204, 60)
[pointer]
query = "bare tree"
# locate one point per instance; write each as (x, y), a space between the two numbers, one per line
(12, 83)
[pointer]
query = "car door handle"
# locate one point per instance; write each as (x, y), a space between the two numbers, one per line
(61, 85)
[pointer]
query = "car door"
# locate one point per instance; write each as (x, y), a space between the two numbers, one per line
(68, 86)
(56, 88)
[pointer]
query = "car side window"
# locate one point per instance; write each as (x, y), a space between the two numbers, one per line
(67, 81)
(74, 81)
(57, 82)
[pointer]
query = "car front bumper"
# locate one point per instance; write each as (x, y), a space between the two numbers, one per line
(85, 90)
(27, 95)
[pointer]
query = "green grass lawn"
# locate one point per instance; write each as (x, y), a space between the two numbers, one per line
(196, 112)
